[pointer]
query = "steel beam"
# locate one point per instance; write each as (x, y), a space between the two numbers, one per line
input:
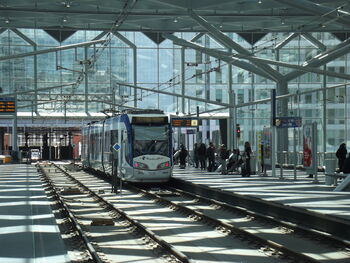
(267, 100)
(314, 41)
(39, 89)
(38, 52)
(229, 43)
(182, 61)
(99, 36)
(322, 59)
(234, 59)
(124, 39)
(134, 52)
(224, 56)
(74, 100)
(286, 40)
(176, 94)
(31, 42)
(319, 10)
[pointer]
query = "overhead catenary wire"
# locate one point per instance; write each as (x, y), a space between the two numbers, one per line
(127, 7)
(179, 82)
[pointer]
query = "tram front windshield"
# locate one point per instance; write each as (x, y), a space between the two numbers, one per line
(151, 140)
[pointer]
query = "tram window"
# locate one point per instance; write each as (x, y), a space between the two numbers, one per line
(150, 140)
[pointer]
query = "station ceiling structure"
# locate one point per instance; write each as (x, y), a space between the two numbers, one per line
(160, 19)
(256, 16)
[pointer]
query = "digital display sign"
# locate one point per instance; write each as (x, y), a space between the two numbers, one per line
(145, 120)
(288, 122)
(184, 122)
(7, 105)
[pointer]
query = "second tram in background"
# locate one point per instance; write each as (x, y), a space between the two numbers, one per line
(136, 146)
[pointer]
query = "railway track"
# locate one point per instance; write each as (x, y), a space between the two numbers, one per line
(205, 230)
(315, 245)
(109, 235)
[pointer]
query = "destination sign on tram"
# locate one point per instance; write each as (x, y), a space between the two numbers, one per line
(184, 122)
(7, 105)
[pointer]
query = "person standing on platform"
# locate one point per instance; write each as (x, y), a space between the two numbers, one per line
(224, 154)
(346, 165)
(211, 157)
(182, 156)
(202, 150)
(341, 155)
(246, 172)
(195, 155)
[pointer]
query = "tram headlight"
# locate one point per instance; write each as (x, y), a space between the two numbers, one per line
(163, 165)
(140, 165)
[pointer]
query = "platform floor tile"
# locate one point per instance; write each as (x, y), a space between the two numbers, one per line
(28, 230)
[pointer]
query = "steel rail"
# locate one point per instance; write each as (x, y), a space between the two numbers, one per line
(176, 253)
(305, 230)
(230, 228)
(70, 215)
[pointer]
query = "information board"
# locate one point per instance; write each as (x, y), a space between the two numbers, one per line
(184, 122)
(7, 105)
(288, 122)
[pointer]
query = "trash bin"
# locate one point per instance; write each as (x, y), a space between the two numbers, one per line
(329, 180)
(330, 165)
(253, 164)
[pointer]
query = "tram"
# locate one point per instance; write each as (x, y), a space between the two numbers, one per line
(135, 146)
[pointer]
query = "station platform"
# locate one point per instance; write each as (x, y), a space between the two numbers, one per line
(302, 192)
(28, 230)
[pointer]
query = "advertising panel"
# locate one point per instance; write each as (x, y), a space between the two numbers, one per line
(308, 141)
(266, 142)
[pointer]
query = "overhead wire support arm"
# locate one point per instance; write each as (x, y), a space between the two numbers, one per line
(73, 70)
(128, 6)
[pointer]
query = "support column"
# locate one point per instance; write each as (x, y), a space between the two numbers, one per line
(50, 144)
(45, 148)
(35, 81)
(2, 147)
(231, 125)
(183, 80)
(252, 96)
(134, 50)
(14, 133)
(282, 111)
(86, 91)
(273, 132)
(324, 108)
(206, 69)
(234, 120)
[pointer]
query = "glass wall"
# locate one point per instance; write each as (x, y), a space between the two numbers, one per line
(54, 76)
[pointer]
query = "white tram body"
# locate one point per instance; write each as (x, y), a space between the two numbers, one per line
(134, 146)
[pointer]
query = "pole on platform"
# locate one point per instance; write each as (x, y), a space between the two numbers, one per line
(295, 152)
(273, 132)
(314, 150)
(14, 133)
